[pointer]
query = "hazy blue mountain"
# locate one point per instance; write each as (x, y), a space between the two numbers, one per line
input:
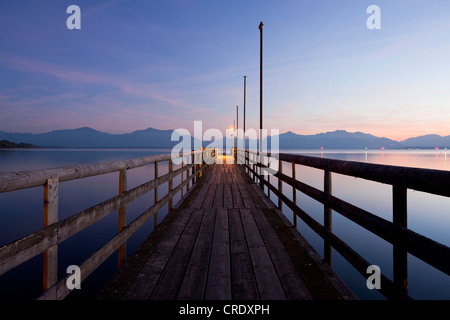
(154, 138)
(427, 141)
(339, 139)
(90, 138)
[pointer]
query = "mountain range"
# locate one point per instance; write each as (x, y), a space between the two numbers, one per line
(153, 138)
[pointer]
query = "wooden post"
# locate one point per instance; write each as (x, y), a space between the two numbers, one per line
(170, 183)
(193, 169)
(201, 163)
(182, 176)
(268, 180)
(187, 176)
(50, 263)
(280, 183)
(294, 194)
(254, 168)
(400, 260)
(261, 158)
(327, 217)
(155, 217)
(122, 217)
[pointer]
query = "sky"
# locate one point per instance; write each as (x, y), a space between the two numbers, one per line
(164, 64)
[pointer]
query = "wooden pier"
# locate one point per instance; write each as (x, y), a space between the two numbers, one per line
(226, 240)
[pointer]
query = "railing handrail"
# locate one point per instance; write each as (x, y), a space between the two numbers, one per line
(46, 240)
(404, 240)
(427, 180)
(11, 181)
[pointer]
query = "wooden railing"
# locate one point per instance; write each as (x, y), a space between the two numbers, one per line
(54, 232)
(396, 232)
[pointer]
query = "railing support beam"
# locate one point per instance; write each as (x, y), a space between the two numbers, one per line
(400, 220)
(327, 219)
(50, 256)
(123, 187)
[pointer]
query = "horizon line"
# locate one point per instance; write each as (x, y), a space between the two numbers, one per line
(280, 133)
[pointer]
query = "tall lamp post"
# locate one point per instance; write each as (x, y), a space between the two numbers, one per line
(237, 132)
(245, 93)
(260, 97)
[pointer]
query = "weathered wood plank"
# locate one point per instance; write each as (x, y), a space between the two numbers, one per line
(237, 199)
(218, 196)
(246, 199)
(219, 275)
(142, 286)
(293, 284)
(227, 196)
(194, 282)
(118, 284)
(243, 282)
(316, 278)
(269, 286)
(171, 278)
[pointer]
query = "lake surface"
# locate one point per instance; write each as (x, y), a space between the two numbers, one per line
(21, 213)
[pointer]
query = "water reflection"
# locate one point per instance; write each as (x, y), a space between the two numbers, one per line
(19, 218)
(427, 214)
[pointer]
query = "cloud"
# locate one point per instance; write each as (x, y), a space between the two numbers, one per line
(70, 75)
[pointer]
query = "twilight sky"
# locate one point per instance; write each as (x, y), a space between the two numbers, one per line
(166, 63)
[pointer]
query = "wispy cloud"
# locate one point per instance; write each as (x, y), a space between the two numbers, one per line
(71, 75)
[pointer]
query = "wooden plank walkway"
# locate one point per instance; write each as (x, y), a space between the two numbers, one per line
(225, 241)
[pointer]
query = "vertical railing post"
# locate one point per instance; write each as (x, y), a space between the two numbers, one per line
(50, 256)
(261, 159)
(193, 168)
(201, 164)
(247, 160)
(327, 217)
(170, 183)
(268, 180)
(253, 167)
(155, 217)
(122, 254)
(182, 175)
(400, 259)
(280, 183)
(187, 175)
(294, 195)
(255, 159)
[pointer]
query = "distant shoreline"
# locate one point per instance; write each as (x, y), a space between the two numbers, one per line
(4, 144)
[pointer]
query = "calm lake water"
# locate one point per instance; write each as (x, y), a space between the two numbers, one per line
(21, 213)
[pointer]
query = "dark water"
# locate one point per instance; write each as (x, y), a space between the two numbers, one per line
(428, 215)
(21, 213)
